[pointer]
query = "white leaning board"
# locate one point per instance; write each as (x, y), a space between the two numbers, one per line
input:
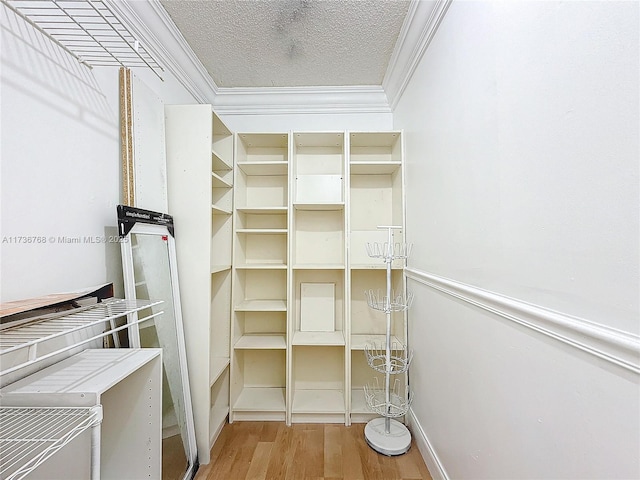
(317, 307)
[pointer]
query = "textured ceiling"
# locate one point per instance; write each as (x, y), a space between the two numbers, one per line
(289, 43)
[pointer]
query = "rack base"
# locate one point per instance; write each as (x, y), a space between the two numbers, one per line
(396, 442)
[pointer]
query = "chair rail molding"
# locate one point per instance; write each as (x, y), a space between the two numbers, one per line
(616, 346)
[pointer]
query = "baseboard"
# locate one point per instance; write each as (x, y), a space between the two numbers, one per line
(435, 467)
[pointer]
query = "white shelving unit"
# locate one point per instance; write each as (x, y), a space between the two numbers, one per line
(59, 408)
(260, 277)
(305, 204)
(318, 326)
(376, 195)
(200, 171)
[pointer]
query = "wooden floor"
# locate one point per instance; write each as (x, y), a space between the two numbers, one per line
(271, 450)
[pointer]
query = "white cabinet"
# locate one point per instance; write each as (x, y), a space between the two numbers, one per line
(126, 383)
(200, 166)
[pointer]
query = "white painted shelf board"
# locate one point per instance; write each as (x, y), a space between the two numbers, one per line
(358, 342)
(262, 210)
(262, 342)
(217, 366)
(319, 338)
(318, 401)
(319, 266)
(219, 162)
(220, 210)
(264, 168)
(374, 168)
(220, 268)
(219, 182)
(263, 231)
(319, 206)
(261, 399)
(262, 306)
(358, 402)
(90, 371)
(362, 266)
(261, 266)
(217, 416)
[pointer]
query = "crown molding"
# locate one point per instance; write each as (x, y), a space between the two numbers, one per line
(173, 53)
(301, 100)
(420, 26)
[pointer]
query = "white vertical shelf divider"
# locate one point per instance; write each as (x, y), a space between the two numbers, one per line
(200, 166)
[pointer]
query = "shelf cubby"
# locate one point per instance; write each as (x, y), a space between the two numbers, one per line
(319, 168)
(318, 384)
(327, 305)
(221, 238)
(368, 325)
(318, 238)
(264, 247)
(258, 384)
(219, 404)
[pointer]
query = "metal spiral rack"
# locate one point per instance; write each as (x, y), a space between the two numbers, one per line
(384, 434)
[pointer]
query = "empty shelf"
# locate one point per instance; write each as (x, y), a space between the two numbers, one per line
(262, 306)
(319, 338)
(257, 399)
(261, 342)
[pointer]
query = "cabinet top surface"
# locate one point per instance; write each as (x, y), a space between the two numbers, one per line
(92, 371)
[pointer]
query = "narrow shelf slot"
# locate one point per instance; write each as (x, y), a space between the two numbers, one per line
(262, 306)
(217, 366)
(261, 342)
(318, 338)
(264, 168)
(260, 399)
(318, 401)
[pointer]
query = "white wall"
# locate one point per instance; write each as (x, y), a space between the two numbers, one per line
(60, 170)
(522, 145)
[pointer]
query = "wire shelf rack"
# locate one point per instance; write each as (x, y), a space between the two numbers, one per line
(389, 250)
(397, 362)
(396, 303)
(88, 30)
(22, 345)
(387, 403)
(29, 436)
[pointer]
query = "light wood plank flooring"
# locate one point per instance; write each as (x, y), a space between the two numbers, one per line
(271, 450)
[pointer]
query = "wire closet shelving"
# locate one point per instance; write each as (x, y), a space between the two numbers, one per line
(88, 29)
(31, 435)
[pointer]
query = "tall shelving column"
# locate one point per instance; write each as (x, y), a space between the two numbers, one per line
(376, 196)
(317, 327)
(200, 164)
(260, 277)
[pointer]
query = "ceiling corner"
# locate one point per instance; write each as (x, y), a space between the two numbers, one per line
(420, 25)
